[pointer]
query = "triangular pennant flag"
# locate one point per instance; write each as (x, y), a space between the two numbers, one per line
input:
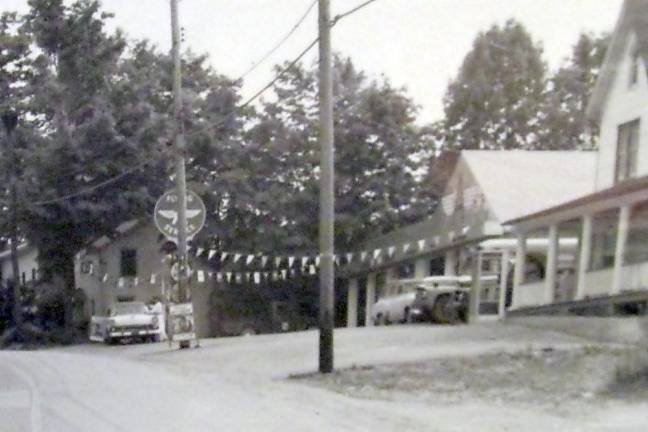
(291, 259)
(199, 251)
(246, 276)
(363, 255)
(317, 260)
(120, 282)
(406, 247)
(349, 257)
(91, 271)
(376, 253)
(274, 276)
(421, 244)
(135, 281)
(304, 261)
(264, 260)
(236, 257)
(284, 273)
(391, 250)
(312, 269)
(219, 277)
(201, 276)
(257, 278)
(153, 277)
(293, 272)
(210, 274)
(229, 276)
(238, 277)
(249, 259)
(211, 254)
(224, 256)
(277, 261)
(104, 278)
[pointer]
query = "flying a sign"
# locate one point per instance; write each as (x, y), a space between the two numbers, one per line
(166, 214)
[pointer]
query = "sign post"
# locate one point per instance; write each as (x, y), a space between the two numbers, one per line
(167, 220)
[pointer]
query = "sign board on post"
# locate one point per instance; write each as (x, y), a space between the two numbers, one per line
(166, 214)
(181, 322)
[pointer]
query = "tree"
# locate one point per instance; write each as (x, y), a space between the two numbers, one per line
(90, 131)
(377, 149)
(564, 125)
(494, 102)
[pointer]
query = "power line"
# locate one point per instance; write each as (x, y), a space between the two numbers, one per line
(279, 44)
(111, 180)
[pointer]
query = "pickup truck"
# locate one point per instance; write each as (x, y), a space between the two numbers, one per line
(127, 321)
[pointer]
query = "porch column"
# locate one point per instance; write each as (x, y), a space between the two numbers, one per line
(520, 265)
(584, 256)
(370, 298)
(421, 268)
(475, 289)
(504, 269)
(352, 303)
(551, 265)
(450, 263)
(622, 236)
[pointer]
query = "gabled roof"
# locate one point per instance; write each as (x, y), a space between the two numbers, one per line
(518, 182)
(633, 18)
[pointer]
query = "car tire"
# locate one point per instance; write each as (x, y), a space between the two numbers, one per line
(407, 316)
(439, 310)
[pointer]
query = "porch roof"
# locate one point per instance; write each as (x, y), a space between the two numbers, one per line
(615, 195)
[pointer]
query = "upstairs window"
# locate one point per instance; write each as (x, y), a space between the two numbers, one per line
(128, 263)
(627, 148)
(635, 67)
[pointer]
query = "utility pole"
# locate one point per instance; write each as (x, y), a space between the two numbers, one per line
(327, 209)
(179, 146)
(10, 121)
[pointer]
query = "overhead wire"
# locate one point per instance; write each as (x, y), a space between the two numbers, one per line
(247, 102)
(279, 44)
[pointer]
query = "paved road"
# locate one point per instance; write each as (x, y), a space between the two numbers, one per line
(239, 384)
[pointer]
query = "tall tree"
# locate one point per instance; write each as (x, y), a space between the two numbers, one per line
(495, 100)
(91, 131)
(564, 125)
(377, 143)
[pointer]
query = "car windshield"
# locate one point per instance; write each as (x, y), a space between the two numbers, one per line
(128, 308)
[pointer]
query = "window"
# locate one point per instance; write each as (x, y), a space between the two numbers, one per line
(406, 271)
(636, 250)
(604, 233)
(626, 154)
(634, 69)
(128, 264)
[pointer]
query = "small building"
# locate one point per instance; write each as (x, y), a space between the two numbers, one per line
(481, 190)
(130, 265)
(611, 223)
(27, 265)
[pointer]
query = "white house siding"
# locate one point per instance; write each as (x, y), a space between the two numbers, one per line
(624, 104)
(635, 277)
(529, 294)
(598, 283)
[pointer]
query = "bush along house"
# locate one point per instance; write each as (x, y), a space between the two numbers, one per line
(610, 274)
(131, 265)
(480, 191)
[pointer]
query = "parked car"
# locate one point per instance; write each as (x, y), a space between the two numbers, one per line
(442, 299)
(126, 321)
(394, 309)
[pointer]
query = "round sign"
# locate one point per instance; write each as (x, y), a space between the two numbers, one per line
(166, 214)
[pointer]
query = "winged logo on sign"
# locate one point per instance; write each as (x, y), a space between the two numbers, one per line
(173, 214)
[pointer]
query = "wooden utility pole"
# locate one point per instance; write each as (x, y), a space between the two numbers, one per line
(179, 146)
(10, 121)
(327, 212)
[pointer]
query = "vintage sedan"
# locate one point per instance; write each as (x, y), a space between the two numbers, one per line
(126, 321)
(442, 299)
(394, 309)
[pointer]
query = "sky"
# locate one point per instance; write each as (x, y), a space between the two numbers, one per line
(416, 44)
